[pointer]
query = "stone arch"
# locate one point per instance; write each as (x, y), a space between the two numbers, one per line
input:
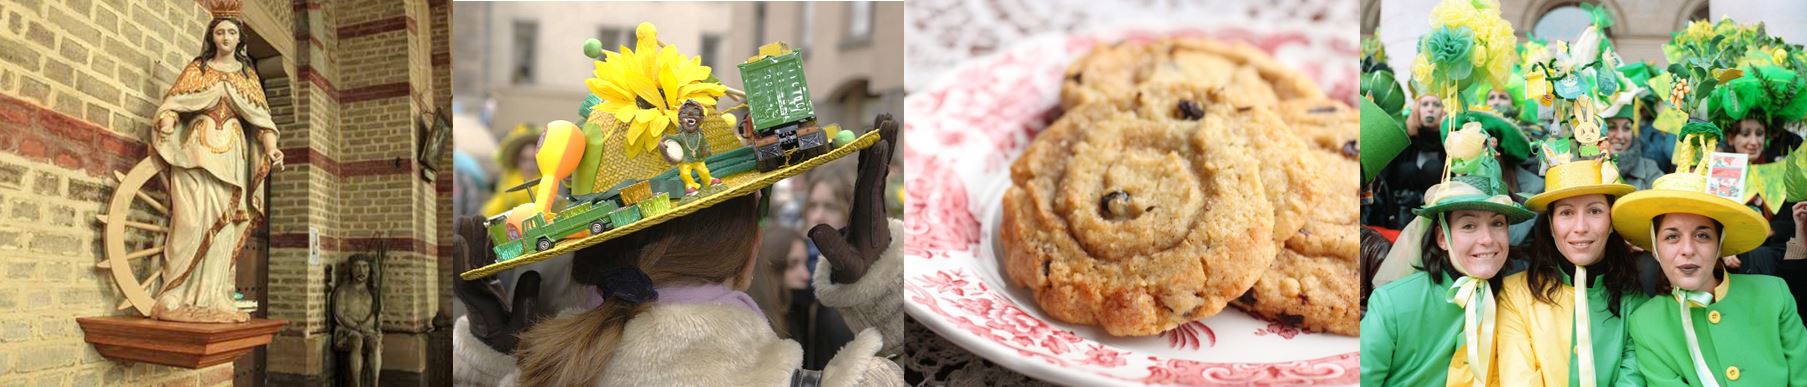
(1687, 11)
(1535, 11)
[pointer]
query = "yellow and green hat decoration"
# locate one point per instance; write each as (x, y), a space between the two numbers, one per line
(614, 167)
(1685, 191)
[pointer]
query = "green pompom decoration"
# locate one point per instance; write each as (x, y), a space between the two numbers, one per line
(1450, 49)
(593, 48)
(843, 138)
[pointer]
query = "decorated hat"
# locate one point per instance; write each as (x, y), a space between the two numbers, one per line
(1378, 82)
(1382, 139)
(1766, 92)
(1579, 178)
(623, 161)
(1473, 179)
(1686, 192)
(1512, 142)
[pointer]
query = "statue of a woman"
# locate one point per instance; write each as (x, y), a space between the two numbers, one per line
(214, 132)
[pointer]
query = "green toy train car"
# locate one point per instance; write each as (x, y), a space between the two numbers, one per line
(781, 120)
(595, 214)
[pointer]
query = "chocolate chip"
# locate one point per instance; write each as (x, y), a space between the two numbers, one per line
(1352, 149)
(1248, 297)
(1078, 77)
(1322, 109)
(1191, 110)
(1114, 206)
(1045, 267)
(1291, 320)
(1242, 109)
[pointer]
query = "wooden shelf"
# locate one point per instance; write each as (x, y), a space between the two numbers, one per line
(179, 344)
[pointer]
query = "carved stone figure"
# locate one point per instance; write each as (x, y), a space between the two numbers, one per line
(359, 336)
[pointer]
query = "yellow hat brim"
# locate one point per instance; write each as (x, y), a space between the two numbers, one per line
(1744, 228)
(738, 185)
(1542, 201)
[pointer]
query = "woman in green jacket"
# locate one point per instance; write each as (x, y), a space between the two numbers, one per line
(1712, 328)
(1430, 319)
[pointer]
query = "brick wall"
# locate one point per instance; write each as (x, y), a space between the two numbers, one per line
(78, 80)
(75, 97)
(369, 74)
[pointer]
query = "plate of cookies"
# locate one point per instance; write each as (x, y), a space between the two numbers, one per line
(1143, 205)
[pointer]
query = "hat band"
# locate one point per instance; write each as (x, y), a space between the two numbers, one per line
(1574, 174)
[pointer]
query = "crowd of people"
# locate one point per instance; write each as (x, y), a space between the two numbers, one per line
(1543, 212)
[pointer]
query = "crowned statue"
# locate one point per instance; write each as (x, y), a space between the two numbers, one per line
(213, 132)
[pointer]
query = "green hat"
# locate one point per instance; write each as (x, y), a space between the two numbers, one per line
(1382, 139)
(1773, 90)
(1381, 87)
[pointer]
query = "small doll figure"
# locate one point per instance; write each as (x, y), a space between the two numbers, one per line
(688, 148)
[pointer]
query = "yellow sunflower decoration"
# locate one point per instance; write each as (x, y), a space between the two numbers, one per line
(644, 86)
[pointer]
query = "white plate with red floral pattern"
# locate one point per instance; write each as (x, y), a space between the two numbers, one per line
(964, 131)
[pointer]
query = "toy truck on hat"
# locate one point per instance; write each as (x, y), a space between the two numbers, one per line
(781, 121)
(587, 215)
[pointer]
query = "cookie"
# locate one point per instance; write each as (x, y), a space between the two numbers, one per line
(1136, 223)
(1320, 293)
(1336, 129)
(1113, 73)
(1315, 281)
(1310, 185)
(1329, 124)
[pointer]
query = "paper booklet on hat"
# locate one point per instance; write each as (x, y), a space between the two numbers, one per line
(1725, 175)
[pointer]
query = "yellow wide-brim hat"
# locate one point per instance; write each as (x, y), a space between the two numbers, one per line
(1686, 193)
(737, 180)
(1578, 178)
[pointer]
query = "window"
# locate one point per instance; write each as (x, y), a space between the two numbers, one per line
(1563, 23)
(711, 49)
(859, 20)
(526, 35)
(613, 38)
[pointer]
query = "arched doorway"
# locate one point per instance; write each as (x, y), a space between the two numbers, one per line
(253, 272)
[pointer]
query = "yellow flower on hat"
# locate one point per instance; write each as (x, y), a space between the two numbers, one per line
(1422, 69)
(644, 86)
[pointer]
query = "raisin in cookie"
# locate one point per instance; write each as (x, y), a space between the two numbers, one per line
(1136, 223)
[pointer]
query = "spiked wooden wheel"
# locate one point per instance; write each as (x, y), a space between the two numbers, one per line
(120, 227)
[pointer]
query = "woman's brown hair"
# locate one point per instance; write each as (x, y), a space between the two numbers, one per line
(708, 246)
(768, 278)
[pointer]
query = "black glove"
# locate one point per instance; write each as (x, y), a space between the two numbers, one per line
(493, 322)
(854, 248)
